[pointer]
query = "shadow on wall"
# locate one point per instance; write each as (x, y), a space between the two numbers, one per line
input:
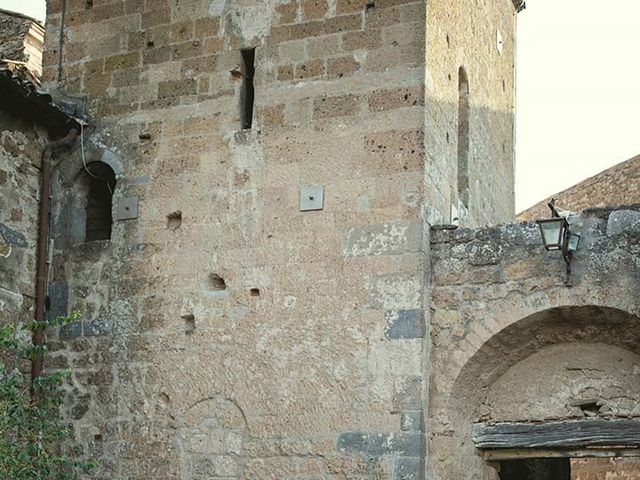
(469, 162)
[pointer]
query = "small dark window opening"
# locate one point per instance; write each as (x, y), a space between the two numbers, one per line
(247, 94)
(102, 182)
(464, 113)
(536, 469)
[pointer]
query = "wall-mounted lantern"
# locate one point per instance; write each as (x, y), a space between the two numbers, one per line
(557, 236)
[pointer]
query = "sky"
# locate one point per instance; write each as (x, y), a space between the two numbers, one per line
(578, 90)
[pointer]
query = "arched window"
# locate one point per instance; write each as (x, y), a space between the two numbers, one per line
(102, 183)
(464, 112)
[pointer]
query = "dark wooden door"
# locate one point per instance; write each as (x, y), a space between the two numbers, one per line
(536, 469)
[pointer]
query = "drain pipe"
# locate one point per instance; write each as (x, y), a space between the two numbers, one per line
(37, 364)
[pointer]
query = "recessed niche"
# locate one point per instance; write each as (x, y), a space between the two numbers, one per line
(216, 282)
(189, 323)
(174, 220)
(254, 292)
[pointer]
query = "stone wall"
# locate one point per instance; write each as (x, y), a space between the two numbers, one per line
(512, 342)
(20, 145)
(618, 185)
(228, 330)
(21, 40)
(480, 37)
(13, 29)
(227, 333)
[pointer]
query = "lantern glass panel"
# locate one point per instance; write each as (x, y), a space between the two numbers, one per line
(552, 231)
(572, 242)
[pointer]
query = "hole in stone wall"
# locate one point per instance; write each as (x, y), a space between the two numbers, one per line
(150, 44)
(88, 4)
(448, 41)
(189, 323)
(174, 220)
(590, 409)
(248, 92)
(216, 282)
(369, 6)
(254, 292)
(97, 437)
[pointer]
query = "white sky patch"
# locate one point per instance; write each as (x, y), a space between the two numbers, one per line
(578, 92)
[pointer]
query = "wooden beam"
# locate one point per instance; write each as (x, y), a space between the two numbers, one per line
(557, 435)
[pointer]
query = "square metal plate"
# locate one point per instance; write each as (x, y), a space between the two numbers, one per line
(311, 198)
(128, 208)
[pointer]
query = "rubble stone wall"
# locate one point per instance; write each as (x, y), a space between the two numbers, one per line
(13, 30)
(20, 145)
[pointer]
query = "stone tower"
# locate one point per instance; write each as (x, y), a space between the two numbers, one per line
(245, 223)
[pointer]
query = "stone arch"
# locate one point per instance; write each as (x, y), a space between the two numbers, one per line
(76, 177)
(90, 201)
(568, 357)
(211, 438)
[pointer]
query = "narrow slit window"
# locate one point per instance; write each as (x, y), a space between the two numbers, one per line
(247, 95)
(464, 112)
(102, 182)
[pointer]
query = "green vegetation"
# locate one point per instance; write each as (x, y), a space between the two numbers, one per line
(31, 431)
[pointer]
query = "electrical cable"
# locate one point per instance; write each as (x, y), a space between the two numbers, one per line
(84, 161)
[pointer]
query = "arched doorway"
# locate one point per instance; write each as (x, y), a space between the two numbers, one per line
(570, 363)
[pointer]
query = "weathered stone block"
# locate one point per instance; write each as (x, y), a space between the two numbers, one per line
(339, 67)
(408, 393)
(404, 324)
(326, 107)
(409, 468)
(95, 328)
(310, 69)
(387, 239)
(411, 421)
(381, 100)
(394, 292)
(175, 88)
(12, 237)
(484, 253)
(624, 222)
(379, 444)
(58, 299)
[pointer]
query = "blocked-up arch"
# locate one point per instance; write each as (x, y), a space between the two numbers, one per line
(547, 366)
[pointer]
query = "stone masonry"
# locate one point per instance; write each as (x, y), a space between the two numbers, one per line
(20, 145)
(225, 332)
(272, 302)
(511, 342)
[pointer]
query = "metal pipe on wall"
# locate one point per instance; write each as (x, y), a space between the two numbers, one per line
(42, 249)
